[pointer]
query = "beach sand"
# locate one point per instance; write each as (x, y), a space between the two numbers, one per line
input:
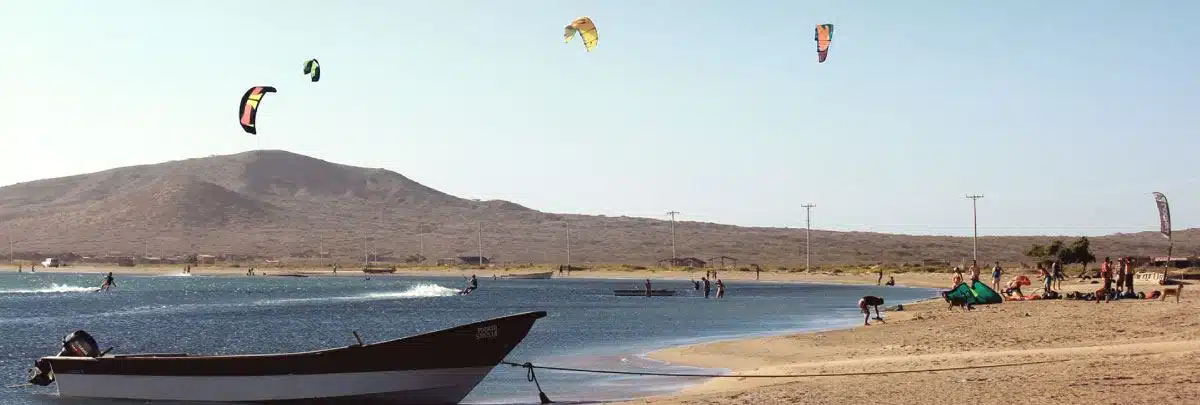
(1127, 352)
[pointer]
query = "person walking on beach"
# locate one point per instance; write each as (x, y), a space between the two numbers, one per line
(880, 280)
(958, 277)
(996, 272)
(864, 305)
(720, 289)
(1047, 279)
(1057, 271)
(706, 286)
(974, 272)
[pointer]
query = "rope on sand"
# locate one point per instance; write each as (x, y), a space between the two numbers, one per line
(546, 400)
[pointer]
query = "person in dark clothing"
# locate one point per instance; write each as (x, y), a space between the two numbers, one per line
(864, 305)
(707, 287)
(647, 288)
(108, 283)
(473, 283)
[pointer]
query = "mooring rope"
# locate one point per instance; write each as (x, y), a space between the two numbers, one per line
(546, 400)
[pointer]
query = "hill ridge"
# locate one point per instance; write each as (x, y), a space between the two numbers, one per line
(275, 202)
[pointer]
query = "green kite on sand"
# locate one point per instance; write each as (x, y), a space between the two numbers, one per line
(977, 294)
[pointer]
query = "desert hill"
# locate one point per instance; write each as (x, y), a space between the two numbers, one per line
(276, 203)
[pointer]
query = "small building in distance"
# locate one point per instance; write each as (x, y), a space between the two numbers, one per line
(474, 260)
(683, 262)
(714, 261)
(206, 259)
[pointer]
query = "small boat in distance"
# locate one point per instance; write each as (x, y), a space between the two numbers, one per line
(439, 367)
(530, 276)
(378, 269)
(642, 293)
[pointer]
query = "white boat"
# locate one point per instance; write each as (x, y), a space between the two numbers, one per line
(439, 367)
(543, 275)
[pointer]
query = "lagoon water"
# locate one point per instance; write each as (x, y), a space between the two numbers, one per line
(587, 326)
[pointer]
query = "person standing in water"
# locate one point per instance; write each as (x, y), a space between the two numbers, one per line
(720, 289)
(706, 286)
(108, 283)
(647, 288)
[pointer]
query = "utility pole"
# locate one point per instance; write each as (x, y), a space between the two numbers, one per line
(479, 236)
(975, 226)
(672, 214)
(807, 232)
(10, 249)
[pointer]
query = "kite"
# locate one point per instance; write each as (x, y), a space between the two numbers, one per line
(248, 108)
(823, 36)
(586, 30)
(313, 68)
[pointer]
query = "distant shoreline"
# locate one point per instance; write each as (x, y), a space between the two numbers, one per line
(924, 280)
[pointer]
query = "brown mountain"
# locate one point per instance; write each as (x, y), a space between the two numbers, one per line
(273, 203)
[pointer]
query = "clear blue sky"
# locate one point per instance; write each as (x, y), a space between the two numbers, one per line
(1066, 115)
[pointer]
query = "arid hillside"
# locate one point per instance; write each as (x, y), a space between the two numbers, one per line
(277, 203)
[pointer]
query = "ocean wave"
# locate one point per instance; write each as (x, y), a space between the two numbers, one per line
(54, 288)
(423, 290)
(416, 291)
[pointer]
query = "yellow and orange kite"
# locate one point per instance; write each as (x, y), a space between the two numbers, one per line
(586, 30)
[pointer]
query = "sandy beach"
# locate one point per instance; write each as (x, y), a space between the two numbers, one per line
(1054, 351)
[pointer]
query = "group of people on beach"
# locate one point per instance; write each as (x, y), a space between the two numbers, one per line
(1117, 278)
(1122, 275)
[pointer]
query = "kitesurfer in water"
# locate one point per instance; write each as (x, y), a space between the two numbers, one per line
(474, 283)
(108, 283)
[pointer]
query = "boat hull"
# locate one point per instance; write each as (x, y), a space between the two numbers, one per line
(530, 276)
(439, 367)
(435, 386)
(634, 293)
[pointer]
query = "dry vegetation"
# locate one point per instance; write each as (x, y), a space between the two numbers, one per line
(277, 203)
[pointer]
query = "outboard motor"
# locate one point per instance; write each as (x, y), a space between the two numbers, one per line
(77, 344)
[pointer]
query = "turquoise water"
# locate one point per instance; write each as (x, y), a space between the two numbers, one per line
(587, 326)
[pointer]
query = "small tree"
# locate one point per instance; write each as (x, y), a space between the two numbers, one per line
(1036, 252)
(1081, 253)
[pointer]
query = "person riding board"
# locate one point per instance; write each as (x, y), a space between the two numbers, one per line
(108, 283)
(870, 301)
(474, 283)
